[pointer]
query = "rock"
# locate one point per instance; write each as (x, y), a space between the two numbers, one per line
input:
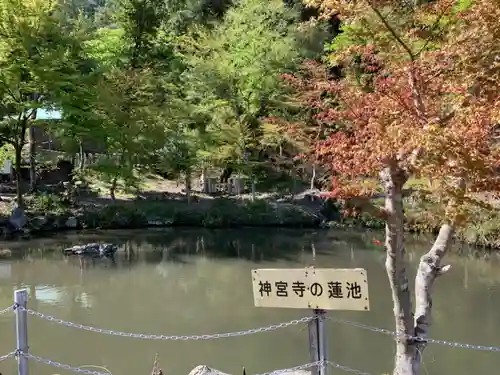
(39, 222)
(72, 222)
(25, 233)
(18, 218)
(92, 249)
(158, 222)
(205, 370)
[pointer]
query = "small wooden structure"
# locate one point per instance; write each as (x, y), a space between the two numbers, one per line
(234, 186)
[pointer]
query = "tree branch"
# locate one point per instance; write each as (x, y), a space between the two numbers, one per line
(392, 31)
(366, 205)
(428, 270)
(433, 27)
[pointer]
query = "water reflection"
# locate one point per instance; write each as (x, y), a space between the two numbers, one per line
(198, 281)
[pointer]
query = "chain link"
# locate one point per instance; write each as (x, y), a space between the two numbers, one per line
(362, 326)
(169, 338)
(62, 365)
(275, 372)
(7, 356)
(464, 346)
(428, 341)
(294, 369)
(10, 308)
(347, 369)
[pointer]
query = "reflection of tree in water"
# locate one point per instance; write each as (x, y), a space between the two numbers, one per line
(175, 245)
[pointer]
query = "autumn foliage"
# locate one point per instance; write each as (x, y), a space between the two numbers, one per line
(418, 97)
(424, 96)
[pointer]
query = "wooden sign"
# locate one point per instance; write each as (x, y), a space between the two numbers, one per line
(311, 288)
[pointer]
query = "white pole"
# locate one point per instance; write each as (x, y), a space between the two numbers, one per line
(21, 299)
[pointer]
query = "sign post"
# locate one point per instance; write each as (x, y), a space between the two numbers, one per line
(317, 289)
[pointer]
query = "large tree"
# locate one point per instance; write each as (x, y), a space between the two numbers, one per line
(36, 61)
(233, 80)
(419, 98)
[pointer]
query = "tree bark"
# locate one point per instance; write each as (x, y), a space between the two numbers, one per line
(32, 156)
(112, 189)
(412, 331)
(394, 178)
(313, 177)
(82, 156)
(428, 270)
(19, 192)
(18, 148)
(204, 180)
(188, 185)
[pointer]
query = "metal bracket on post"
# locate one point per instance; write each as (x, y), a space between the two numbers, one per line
(317, 342)
(21, 300)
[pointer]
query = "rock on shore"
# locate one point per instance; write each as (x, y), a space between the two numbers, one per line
(215, 213)
(206, 370)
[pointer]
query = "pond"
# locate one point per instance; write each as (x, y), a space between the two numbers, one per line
(185, 282)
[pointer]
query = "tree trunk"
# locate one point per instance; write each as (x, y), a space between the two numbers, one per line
(203, 180)
(82, 156)
(409, 350)
(112, 189)
(429, 269)
(188, 186)
(32, 156)
(393, 179)
(19, 193)
(313, 177)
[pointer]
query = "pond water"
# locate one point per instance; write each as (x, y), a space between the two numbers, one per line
(183, 282)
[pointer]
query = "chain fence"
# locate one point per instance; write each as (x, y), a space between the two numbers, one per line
(7, 356)
(305, 366)
(347, 369)
(416, 338)
(252, 331)
(145, 336)
(6, 310)
(81, 370)
(269, 328)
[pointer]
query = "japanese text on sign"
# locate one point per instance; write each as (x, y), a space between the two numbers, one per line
(327, 289)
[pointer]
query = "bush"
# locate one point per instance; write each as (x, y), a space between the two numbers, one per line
(44, 204)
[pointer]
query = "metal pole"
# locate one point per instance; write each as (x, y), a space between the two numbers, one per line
(317, 342)
(313, 343)
(21, 299)
(322, 348)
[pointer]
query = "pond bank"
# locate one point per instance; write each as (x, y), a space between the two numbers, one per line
(49, 214)
(52, 216)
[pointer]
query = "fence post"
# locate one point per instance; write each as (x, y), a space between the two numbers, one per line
(317, 342)
(21, 299)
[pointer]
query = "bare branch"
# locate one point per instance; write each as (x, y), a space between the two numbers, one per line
(392, 31)
(433, 28)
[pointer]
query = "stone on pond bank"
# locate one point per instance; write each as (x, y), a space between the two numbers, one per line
(299, 211)
(72, 222)
(213, 213)
(206, 370)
